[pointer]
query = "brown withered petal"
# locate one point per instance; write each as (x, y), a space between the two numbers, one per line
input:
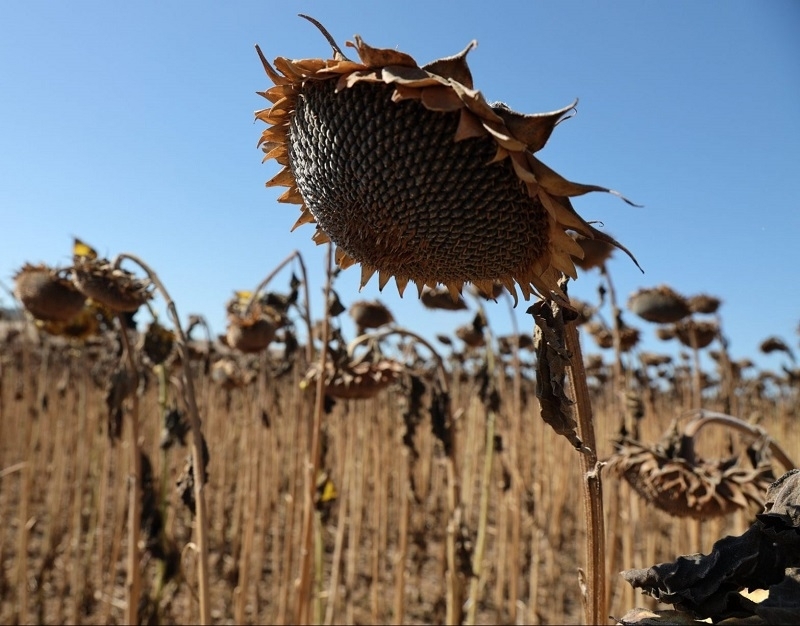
(46, 295)
(412, 174)
(660, 304)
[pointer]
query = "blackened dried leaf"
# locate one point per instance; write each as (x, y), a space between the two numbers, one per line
(783, 604)
(552, 360)
(120, 385)
(709, 585)
(185, 482)
(441, 420)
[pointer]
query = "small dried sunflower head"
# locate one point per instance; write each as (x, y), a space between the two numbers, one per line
(411, 173)
(251, 329)
(115, 288)
(47, 295)
(704, 303)
(157, 343)
(685, 486)
(357, 380)
(693, 333)
(370, 314)
(661, 305)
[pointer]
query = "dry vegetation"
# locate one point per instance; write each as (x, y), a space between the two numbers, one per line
(285, 473)
(390, 452)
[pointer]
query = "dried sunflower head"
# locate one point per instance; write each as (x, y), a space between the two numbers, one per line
(157, 343)
(704, 303)
(370, 314)
(438, 298)
(106, 283)
(47, 295)
(660, 304)
(251, 325)
(692, 333)
(357, 380)
(669, 476)
(413, 174)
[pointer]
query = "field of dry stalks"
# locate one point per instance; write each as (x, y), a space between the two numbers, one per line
(398, 474)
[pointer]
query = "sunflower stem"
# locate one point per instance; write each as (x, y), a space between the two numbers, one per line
(312, 468)
(705, 418)
(133, 584)
(595, 599)
(198, 460)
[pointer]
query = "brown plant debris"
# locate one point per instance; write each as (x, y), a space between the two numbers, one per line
(411, 173)
(766, 556)
(185, 482)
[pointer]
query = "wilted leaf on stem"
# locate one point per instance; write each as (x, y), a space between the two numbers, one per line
(552, 360)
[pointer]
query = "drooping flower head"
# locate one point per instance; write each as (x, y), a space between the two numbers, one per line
(412, 174)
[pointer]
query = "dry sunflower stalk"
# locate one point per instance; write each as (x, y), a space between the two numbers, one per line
(411, 173)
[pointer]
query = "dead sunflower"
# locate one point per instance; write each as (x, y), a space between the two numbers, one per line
(251, 325)
(357, 380)
(106, 283)
(46, 294)
(413, 174)
(672, 477)
(368, 314)
(661, 305)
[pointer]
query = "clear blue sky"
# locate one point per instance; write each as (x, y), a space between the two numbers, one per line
(131, 126)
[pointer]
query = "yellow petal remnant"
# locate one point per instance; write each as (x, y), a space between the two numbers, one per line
(410, 172)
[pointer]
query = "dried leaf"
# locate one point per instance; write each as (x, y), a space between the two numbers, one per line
(552, 360)
(765, 557)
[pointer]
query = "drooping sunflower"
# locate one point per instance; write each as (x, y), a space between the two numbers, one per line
(411, 173)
